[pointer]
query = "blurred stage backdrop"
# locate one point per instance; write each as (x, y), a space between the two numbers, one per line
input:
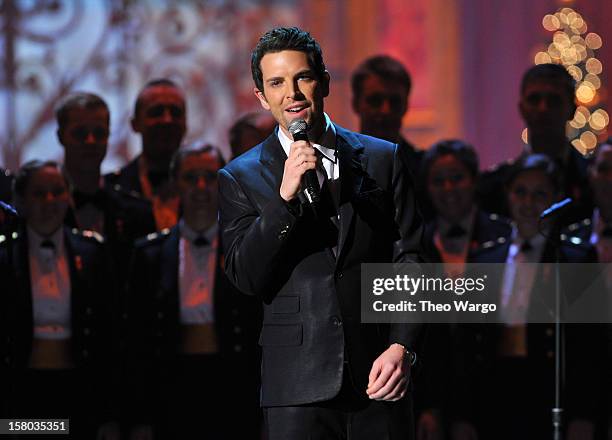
(466, 58)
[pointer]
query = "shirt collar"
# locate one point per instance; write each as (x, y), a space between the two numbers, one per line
(537, 242)
(466, 223)
(190, 235)
(35, 239)
(326, 144)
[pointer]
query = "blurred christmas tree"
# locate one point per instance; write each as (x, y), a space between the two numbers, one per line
(574, 47)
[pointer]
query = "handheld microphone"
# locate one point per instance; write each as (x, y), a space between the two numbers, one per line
(310, 183)
(556, 208)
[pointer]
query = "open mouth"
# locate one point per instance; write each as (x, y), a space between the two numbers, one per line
(296, 110)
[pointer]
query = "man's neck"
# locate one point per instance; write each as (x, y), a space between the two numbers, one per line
(87, 182)
(554, 146)
(199, 223)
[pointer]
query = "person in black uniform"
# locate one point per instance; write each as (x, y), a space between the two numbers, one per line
(57, 318)
(547, 103)
(504, 375)
(193, 336)
(449, 171)
(121, 216)
(160, 119)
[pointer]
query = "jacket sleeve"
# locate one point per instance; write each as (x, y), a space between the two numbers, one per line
(254, 243)
(408, 247)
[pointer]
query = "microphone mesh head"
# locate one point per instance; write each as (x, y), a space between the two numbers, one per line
(296, 126)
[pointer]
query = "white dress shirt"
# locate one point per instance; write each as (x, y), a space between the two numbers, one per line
(197, 266)
(326, 145)
(519, 276)
(50, 285)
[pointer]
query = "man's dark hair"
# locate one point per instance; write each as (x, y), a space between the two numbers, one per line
(77, 101)
(181, 154)
(550, 73)
(535, 162)
(283, 38)
(462, 151)
(28, 169)
(385, 67)
(153, 83)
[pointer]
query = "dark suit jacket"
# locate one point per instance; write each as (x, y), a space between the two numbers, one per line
(127, 177)
(280, 252)
(127, 217)
(91, 303)
(487, 231)
(154, 325)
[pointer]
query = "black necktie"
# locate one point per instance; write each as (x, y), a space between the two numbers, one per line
(47, 246)
(456, 231)
(526, 246)
(201, 241)
(98, 199)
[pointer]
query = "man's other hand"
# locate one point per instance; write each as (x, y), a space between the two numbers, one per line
(388, 378)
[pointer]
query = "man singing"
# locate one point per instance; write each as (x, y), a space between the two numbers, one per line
(325, 375)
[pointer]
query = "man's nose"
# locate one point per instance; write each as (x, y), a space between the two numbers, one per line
(167, 115)
(201, 183)
(90, 138)
(385, 107)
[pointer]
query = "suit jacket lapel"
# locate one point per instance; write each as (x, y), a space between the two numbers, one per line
(23, 293)
(169, 266)
(352, 163)
(273, 159)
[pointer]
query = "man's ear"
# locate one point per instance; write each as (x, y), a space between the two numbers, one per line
(572, 110)
(135, 124)
(262, 98)
(325, 83)
(60, 137)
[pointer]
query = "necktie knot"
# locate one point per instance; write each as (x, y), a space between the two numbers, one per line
(47, 244)
(201, 241)
(456, 231)
(97, 198)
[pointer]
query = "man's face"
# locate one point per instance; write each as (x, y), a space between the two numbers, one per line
(197, 184)
(161, 121)
(451, 188)
(546, 107)
(45, 201)
(600, 176)
(381, 107)
(85, 138)
(292, 90)
(530, 193)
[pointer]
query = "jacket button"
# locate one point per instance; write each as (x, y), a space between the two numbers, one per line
(336, 321)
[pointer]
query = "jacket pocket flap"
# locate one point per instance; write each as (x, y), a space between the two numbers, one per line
(281, 335)
(286, 304)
